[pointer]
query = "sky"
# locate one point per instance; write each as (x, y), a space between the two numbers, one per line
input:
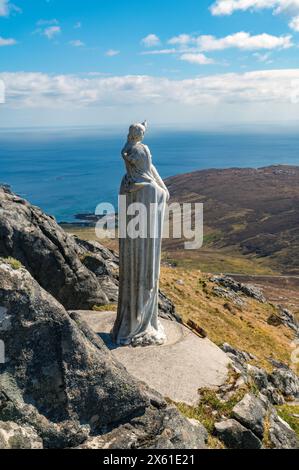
(183, 63)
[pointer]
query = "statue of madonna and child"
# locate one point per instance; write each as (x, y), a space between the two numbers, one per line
(137, 321)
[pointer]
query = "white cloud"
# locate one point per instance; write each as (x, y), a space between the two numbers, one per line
(112, 53)
(180, 40)
(199, 59)
(227, 7)
(184, 54)
(151, 40)
(52, 31)
(244, 41)
(38, 90)
(7, 42)
(240, 40)
(294, 23)
(160, 52)
(77, 43)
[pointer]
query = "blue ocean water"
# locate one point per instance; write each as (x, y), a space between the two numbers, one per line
(67, 172)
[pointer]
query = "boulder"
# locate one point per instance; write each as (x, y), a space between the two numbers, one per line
(242, 356)
(251, 413)
(286, 382)
(229, 294)
(239, 359)
(273, 395)
(289, 319)
(236, 436)
(259, 377)
(142, 432)
(13, 436)
(167, 309)
(284, 317)
(51, 255)
(281, 434)
(60, 379)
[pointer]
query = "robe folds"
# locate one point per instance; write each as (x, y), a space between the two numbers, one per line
(137, 320)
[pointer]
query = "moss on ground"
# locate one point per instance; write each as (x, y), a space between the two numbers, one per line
(211, 408)
(14, 263)
(105, 308)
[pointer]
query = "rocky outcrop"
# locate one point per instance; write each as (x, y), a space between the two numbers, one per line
(286, 382)
(251, 413)
(51, 256)
(233, 290)
(236, 436)
(254, 423)
(280, 434)
(279, 386)
(175, 433)
(13, 436)
(254, 420)
(60, 380)
(78, 273)
(284, 317)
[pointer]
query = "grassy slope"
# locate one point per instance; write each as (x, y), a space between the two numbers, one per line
(251, 212)
(246, 329)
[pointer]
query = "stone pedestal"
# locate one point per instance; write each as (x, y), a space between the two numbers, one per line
(177, 369)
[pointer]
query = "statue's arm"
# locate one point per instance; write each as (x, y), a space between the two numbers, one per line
(156, 175)
(159, 181)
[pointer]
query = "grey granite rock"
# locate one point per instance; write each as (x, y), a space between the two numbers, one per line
(259, 377)
(61, 380)
(289, 319)
(236, 436)
(281, 435)
(53, 362)
(251, 413)
(51, 255)
(239, 359)
(247, 289)
(14, 436)
(167, 430)
(285, 381)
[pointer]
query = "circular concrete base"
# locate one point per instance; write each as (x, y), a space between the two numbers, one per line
(178, 369)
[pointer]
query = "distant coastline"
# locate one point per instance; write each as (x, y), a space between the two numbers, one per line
(68, 173)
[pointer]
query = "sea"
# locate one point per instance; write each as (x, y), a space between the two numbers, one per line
(70, 171)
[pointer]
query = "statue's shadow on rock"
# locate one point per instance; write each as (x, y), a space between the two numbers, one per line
(107, 338)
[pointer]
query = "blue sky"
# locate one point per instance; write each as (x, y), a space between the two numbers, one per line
(179, 61)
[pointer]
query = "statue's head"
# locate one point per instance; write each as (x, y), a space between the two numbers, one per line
(137, 131)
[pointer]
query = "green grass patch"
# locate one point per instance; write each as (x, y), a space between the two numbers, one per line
(14, 263)
(211, 237)
(211, 408)
(105, 308)
(287, 413)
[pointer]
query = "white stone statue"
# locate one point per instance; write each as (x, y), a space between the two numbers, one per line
(137, 322)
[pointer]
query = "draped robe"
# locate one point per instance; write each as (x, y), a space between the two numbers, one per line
(137, 320)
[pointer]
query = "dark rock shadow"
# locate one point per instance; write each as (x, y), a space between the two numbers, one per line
(106, 337)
